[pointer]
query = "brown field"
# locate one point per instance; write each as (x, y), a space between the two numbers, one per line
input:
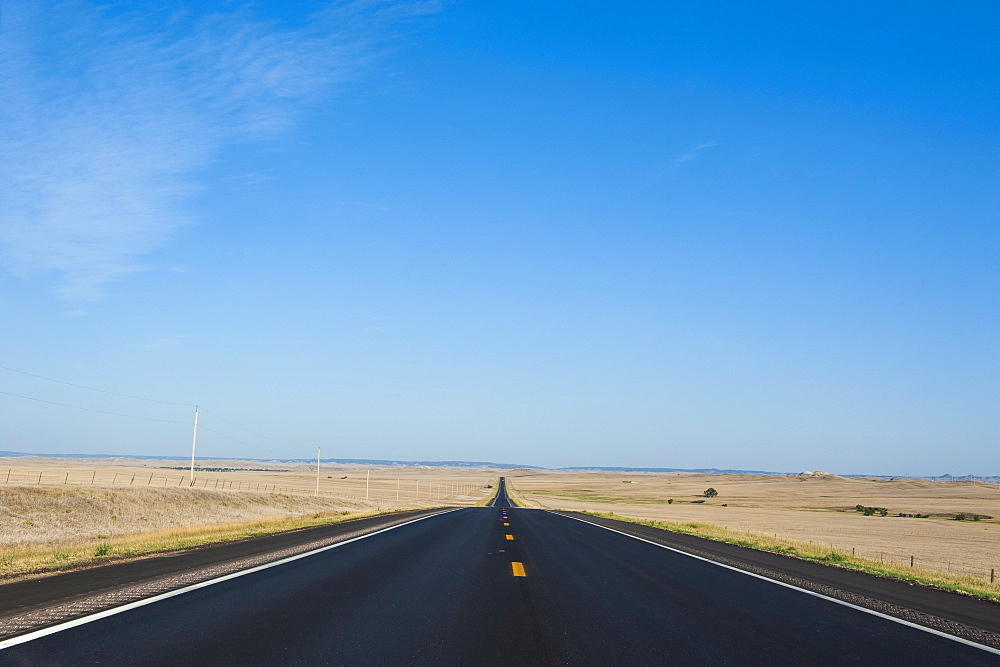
(56, 512)
(51, 507)
(818, 510)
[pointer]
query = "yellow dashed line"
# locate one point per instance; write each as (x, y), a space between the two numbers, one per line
(506, 524)
(518, 569)
(510, 537)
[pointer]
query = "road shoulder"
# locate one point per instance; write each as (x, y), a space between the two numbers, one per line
(29, 605)
(963, 616)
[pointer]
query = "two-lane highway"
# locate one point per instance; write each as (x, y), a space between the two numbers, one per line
(494, 585)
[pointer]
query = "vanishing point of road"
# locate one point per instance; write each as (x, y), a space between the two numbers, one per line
(493, 586)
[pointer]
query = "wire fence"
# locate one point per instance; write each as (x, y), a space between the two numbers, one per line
(378, 490)
(897, 559)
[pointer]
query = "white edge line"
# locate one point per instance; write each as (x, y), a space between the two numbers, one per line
(960, 640)
(38, 634)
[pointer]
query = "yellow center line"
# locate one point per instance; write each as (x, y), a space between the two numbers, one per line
(506, 524)
(518, 569)
(510, 537)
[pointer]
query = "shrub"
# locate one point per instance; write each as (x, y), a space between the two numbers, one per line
(961, 516)
(103, 549)
(710, 493)
(670, 501)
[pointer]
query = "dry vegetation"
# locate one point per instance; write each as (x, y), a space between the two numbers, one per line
(56, 513)
(814, 513)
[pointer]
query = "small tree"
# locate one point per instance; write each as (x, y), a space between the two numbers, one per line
(670, 501)
(710, 492)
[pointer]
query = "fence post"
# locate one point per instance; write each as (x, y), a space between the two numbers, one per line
(39, 478)
(131, 480)
(66, 481)
(8, 475)
(991, 575)
(93, 477)
(911, 561)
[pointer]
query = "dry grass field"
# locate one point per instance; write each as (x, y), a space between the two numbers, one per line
(818, 510)
(61, 512)
(58, 512)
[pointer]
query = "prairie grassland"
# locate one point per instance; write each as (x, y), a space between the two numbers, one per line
(58, 513)
(817, 513)
(372, 484)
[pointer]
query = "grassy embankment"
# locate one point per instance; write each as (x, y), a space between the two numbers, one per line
(41, 559)
(485, 502)
(959, 583)
(516, 500)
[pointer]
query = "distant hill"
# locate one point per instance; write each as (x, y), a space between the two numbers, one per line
(373, 462)
(988, 479)
(710, 471)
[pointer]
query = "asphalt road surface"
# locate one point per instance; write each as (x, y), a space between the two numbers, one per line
(494, 585)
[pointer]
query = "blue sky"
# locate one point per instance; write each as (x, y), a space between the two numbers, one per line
(555, 233)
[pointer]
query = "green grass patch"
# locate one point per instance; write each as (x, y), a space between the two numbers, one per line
(610, 499)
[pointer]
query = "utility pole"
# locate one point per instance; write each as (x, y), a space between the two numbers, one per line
(194, 441)
(317, 471)
(397, 489)
(367, 480)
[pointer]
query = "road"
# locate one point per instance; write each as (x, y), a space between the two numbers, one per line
(447, 589)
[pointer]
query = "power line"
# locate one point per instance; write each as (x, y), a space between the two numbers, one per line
(104, 412)
(142, 398)
(80, 386)
(241, 441)
(259, 435)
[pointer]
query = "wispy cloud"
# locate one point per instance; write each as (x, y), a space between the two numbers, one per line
(168, 340)
(681, 159)
(107, 117)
